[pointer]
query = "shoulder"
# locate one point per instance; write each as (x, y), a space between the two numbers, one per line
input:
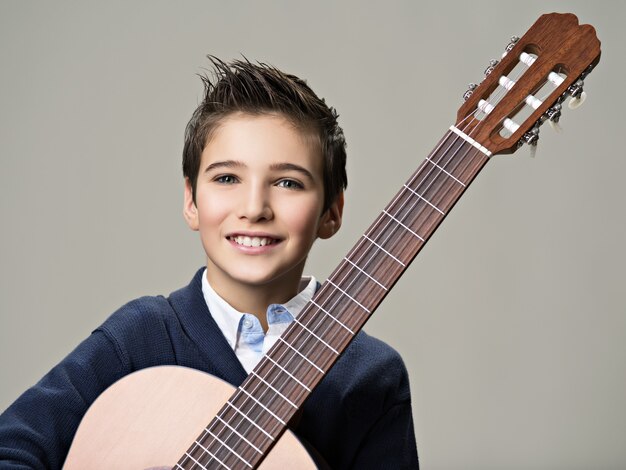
(371, 365)
(141, 331)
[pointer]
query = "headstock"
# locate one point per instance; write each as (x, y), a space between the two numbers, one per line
(536, 74)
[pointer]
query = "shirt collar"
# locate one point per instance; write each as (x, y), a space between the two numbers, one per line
(228, 318)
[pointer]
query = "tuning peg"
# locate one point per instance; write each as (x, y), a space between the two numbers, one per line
(553, 115)
(531, 138)
(577, 93)
(492, 65)
(470, 89)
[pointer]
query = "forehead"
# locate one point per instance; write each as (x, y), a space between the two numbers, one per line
(262, 138)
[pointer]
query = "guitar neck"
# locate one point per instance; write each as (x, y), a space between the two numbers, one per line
(258, 413)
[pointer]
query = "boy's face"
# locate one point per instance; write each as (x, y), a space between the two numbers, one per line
(259, 200)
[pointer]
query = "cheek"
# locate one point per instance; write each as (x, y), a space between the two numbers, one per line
(212, 211)
(302, 218)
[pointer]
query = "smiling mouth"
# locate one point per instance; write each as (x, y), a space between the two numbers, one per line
(253, 241)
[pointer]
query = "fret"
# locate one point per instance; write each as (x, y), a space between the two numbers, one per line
(280, 338)
(316, 337)
(225, 446)
(446, 172)
(269, 436)
(287, 400)
(384, 251)
(366, 273)
(262, 406)
(403, 225)
(288, 373)
(348, 295)
(257, 412)
(332, 317)
(238, 434)
(425, 200)
(199, 464)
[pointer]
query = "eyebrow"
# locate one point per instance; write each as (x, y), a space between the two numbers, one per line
(292, 167)
(224, 164)
(273, 167)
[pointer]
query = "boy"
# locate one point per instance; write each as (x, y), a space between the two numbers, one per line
(264, 166)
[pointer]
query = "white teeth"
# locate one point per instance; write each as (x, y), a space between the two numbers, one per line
(251, 241)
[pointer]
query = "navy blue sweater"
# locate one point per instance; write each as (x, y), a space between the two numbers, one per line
(358, 417)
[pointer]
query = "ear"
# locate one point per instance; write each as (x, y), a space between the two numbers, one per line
(330, 222)
(190, 211)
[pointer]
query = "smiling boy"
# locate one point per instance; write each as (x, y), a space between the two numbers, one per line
(264, 166)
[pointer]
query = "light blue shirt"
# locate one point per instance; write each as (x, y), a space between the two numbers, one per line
(243, 331)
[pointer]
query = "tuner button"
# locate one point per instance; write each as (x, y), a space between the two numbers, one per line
(555, 126)
(577, 101)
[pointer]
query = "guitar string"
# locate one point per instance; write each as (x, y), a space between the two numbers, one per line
(231, 434)
(313, 319)
(400, 195)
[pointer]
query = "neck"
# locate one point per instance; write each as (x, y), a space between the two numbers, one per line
(254, 298)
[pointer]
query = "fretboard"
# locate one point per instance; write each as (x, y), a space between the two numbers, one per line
(259, 411)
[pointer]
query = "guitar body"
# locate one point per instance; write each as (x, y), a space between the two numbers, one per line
(151, 417)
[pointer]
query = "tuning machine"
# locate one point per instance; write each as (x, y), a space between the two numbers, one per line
(492, 65)
(510, 45)
(470, 90)
(531, 138)
(577, 93)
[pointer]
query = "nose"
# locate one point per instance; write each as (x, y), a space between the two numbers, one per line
(255, 204)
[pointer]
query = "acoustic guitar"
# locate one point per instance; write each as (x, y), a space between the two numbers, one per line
(148, 420)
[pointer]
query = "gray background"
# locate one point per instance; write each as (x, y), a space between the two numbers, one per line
(511, 321)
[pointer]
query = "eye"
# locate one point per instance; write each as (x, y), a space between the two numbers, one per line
(226, 179)
(289, 184)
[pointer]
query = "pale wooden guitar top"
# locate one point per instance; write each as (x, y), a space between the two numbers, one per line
(151, 417)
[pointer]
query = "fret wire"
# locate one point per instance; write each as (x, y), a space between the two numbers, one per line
(275, 390)
(300, 354)
(316, 337)
(224, 445)
(206, 435)
(403, 226)
(333, 317)
(385, 251)
(211, 457)
(221, 413)
(451, 176)
(198, 463)
(348, 295)
(366, 273)
(251, 421)
(240, 435)
(262, 406)
(287, 372)
(425, 200)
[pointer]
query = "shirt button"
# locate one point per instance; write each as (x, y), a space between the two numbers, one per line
(247, 323)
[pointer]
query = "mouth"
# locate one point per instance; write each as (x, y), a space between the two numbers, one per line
(248, 241)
